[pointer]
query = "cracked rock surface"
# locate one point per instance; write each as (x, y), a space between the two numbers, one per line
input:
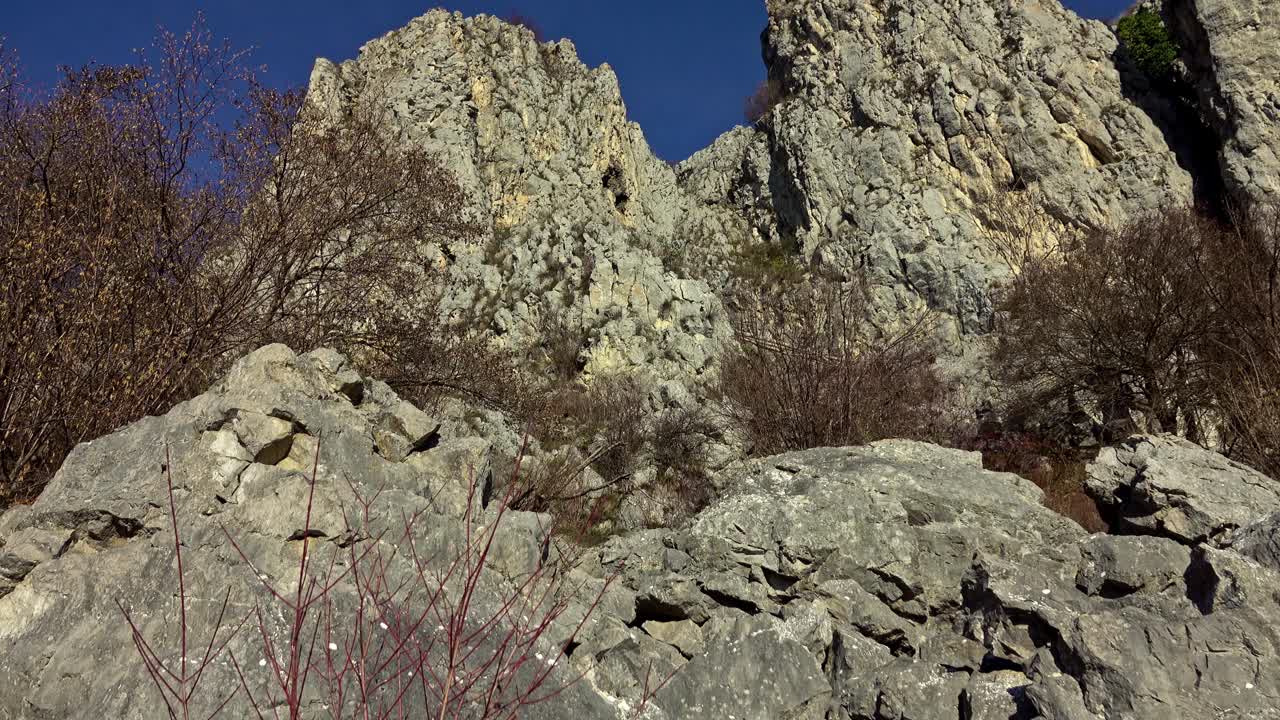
(240, 457)
(898, 120)
(922, 586)
(897, 580)
(1171, 487)
(579, 211)
(1232, 52)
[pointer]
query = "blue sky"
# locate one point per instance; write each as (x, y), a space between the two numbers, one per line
(684, 65)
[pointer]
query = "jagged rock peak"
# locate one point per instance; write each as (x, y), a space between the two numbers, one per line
(898, 121)
(579, 208)
(504, 109)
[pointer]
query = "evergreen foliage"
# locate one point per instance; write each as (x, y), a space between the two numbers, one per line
(1144, 37)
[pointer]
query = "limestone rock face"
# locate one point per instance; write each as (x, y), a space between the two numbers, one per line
(904, 135)
(1232, 52)
(1165, 485)
(240, 457)
(899, 121)
(924, 586)
(889, 581)
(579, 208)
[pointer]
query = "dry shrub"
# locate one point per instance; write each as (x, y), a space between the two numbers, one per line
(1169, 323)
(679, 445)
(761, 101)
(605, 445)
(144, 247)
(1058, 470)
(811, 372)
(341, 225)
(1113, 323)
(765, 265)
(103, 318)
(597, 426)
(564, 336)
(1243, 272)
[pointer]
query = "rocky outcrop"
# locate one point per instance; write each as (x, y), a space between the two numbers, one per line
(923, 586)
(907, 135)
(898, 580)
(890, 581)
(1231, 49)
(580, 212)
(906, 131)
(1168, 486)
(240, 457)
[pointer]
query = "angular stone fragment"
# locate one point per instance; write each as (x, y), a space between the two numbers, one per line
(683, 635)
(1169, 486)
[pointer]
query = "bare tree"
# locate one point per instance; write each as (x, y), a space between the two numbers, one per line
(103, 224)
(1242, 270)
(812, 372)
(1116, 321)
(144, 246)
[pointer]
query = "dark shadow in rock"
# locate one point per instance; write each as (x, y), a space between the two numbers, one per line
(994, 663)
(1024, 708)
(1202, 582)
(778, 581)
(427, 442)
(1171, 104)
(726, 600)
(649, 608)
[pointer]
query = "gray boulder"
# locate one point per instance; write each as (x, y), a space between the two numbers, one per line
(1232, 52)
(1168, 486)
(240, 456)
(907, 135)
(924, 586)
(752, 669)
(898, 580)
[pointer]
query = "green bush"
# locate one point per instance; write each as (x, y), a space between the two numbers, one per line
(768, 264)
(1146, 40)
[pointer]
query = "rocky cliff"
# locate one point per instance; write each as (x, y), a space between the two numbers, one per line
(1232, 53)
(902, 138)
(898, 123)
(579, 209)
(898, 580)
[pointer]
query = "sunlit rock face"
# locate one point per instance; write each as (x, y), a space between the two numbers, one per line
(894, 580)
(1231, 49)
(898, 122)
(583, 220)
(895, 126)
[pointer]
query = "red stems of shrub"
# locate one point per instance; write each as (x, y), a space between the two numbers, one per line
(178, 688)
(416, 642)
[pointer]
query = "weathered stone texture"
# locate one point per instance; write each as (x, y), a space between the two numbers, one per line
(889, 581)
(578, 208)
(1232, 52)
(899, 121)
